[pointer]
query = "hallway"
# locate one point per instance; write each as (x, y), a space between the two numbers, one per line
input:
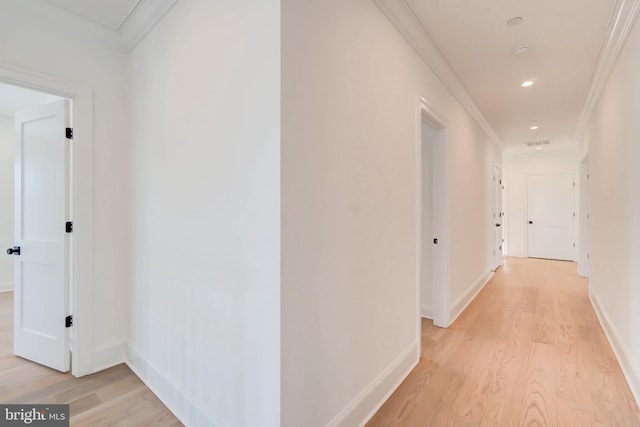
(528, 351)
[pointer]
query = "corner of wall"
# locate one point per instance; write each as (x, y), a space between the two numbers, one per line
(622, 353)
(365, 405)
(463, 302)
(179, 402)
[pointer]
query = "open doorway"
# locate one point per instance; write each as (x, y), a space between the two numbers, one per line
(498, 214)
(81, 202)
(433, 235)
(36, 222)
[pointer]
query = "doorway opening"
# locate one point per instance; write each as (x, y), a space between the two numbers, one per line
(498, 214)
(35, 130)
(433, 229)
(80, 202)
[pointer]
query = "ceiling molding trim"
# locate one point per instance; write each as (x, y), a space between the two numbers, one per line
(404, 18)
(141, 20)
(621, 22)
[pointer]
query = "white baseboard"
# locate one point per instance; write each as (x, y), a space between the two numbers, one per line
(183, 406)
(629, 369)
(6, 286)
(108, 356)
(458, 307)
(365, 405)
(426, 311)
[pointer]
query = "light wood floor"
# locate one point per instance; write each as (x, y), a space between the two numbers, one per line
(115, 397)
(529, 351)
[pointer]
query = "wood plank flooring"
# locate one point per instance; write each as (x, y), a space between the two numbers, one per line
(114, 397)
(529, 351)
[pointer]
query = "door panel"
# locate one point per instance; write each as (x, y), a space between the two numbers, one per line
(551, 217)
(41, 210)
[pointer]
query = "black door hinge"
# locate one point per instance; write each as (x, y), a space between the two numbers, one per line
(68, 227)
(435, 241)
(68, 321)
(69, 133)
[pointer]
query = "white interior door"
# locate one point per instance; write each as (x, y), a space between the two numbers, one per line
(497, 218)
(42, 244)
(551, 216)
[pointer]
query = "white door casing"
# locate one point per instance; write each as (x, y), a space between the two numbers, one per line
(497, 218)
(439, 243)
(41, 211)
(551, 216)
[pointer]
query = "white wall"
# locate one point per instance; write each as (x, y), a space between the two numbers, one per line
(34, 38)
(7, 158)
(205, 208)
(349, 167)
(614, 153)
(517, 167)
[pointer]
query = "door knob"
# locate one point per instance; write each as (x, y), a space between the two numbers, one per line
(530, 222)
(14, 251)
(497, 225)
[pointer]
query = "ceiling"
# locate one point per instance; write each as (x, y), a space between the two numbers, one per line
(14, 98)
(564, 40)
(110, 13)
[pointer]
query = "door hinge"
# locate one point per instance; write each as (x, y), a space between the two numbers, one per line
(68, 321)
(435, 241)
(574, 184)
(69, 133)
(574, 245)
(68, 227)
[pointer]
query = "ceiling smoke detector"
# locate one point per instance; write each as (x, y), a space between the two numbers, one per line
(520, 50)
(515, 21)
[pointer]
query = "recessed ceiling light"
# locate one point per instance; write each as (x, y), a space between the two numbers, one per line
(520, 50)
(538, 148)
(534, 127)
(527, 83)
(515, 20)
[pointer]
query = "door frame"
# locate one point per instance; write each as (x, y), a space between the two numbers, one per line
(81, 197)
(584, 227)
(498, 251)
(441, 307)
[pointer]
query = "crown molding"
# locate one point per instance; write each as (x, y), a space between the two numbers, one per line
(621, 23)
(404, 18)
(141, 20)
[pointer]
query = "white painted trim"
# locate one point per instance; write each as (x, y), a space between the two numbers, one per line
(81, 272)
(620, 25)
(426, 112)
(404, 18)
(180, 403)
(6, 286)
(365, 405)
(463, 302)
(143, 19)
(426, 312)
(108, 356)
(629, 369)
